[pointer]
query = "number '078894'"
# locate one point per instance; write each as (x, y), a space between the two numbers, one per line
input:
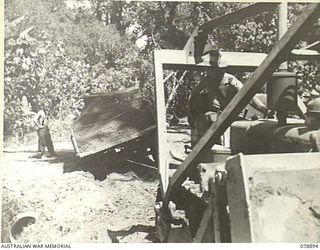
(309, 245)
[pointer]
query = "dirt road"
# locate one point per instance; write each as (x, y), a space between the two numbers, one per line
(74, 207)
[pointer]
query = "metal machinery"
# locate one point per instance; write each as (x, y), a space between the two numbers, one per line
(264, 188)
(108, 118)
(108, 132)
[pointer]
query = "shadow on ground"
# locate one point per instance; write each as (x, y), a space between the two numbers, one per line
(61, 157)
(114, 235)
(102, 165)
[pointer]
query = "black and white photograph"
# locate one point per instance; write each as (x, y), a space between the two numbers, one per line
(160, 122)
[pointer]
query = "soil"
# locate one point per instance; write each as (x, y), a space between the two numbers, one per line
(285, 206)
(74, 207)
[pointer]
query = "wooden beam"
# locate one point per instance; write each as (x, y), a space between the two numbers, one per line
(168, 77)
(161, 119)
(237, 16)
(232, 18)
(242, 98)
(282, 27)
(246, 61)
(189, 46)
(204, 223)
(174, 58)
(215, 211)
(238, 198)
(177, 83)
(303, 54)
(141, 164)
(313, 46)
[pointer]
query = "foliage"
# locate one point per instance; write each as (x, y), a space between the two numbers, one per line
(59, 54)
(60, 60)
(169, 24)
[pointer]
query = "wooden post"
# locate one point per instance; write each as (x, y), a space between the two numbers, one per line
(207, 216)
(282, 27)
(242, 98)
(161, 120)
(215, 211)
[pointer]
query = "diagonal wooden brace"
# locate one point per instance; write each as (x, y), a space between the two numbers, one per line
(242, 98)
(237, 16)
(195, 44)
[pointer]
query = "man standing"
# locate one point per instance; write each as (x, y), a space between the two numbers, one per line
(41, 120)
(220, 88)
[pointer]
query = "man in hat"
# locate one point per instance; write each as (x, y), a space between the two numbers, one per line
(41, 120)
(220, 88)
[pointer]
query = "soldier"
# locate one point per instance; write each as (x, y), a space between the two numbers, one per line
(41, 120)
(220, 88)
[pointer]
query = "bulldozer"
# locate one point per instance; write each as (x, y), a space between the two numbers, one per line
(108, 133)
(262, 185)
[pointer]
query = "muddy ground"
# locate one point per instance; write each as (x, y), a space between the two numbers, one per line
(71, 205)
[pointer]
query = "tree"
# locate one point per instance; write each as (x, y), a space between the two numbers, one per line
(56, 54)
(168, 25)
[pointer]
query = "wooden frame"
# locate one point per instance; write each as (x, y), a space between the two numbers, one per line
(178, 59)
(185, 59)
(269, 65)
(181, 59)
